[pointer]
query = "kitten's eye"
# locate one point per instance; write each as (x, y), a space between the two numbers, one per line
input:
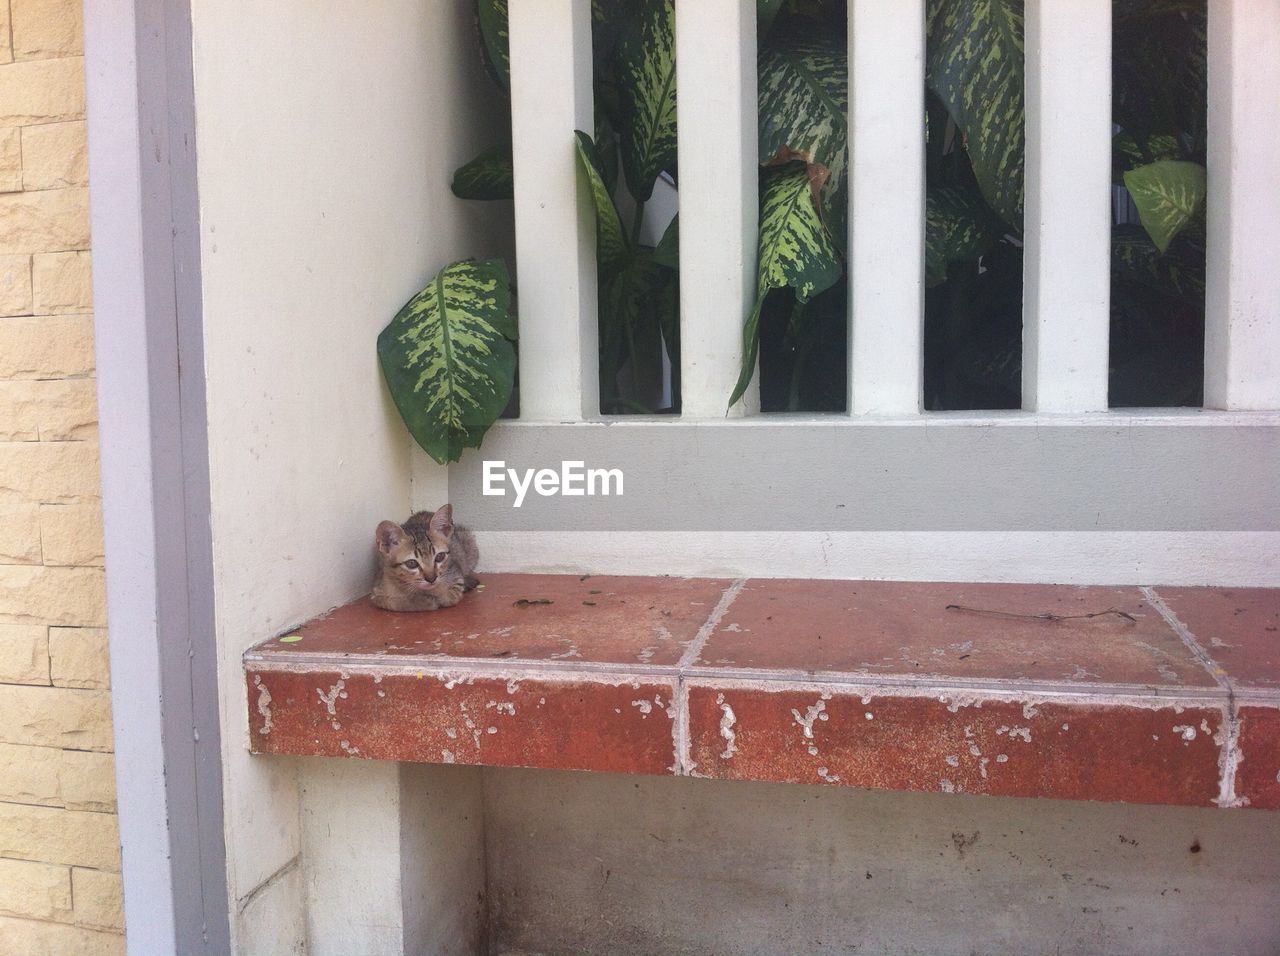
(411, 564)
(440, 556)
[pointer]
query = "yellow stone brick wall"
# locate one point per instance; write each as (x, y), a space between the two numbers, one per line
(59, 848)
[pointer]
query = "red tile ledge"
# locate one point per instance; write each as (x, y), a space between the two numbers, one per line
(1014, 690)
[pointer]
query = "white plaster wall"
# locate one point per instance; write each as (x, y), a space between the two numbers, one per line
(597, 863)
(327, 132)
(442, 861)
(392, 858)
(351, 856)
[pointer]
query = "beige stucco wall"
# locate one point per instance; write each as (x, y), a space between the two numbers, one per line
(59, 853)
(326, 134)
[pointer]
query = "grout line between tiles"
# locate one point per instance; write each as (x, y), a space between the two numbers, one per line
(682, 742)
(619, 672)
(694, 650)
(1229, 755)
(1229, 758)
(517, 668)
(1202, 656)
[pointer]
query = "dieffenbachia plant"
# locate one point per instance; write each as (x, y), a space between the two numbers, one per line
(794, 252)
(449, 357)
(975, 151)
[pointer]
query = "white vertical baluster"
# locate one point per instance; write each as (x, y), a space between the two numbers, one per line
(1066, 323)
(886, 206)
(719, 207)
(1242, 307)
(555, 227)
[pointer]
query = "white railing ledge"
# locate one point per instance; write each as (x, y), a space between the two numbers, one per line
(1115, 418)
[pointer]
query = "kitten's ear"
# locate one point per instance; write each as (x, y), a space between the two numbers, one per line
(390, 535)
(442, 521)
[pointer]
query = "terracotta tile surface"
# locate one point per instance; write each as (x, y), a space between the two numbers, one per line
(1238, 627)
(612, 620)
(1083, 751)
(988, 633)
(441, 718)
(1017, 690)
(1258, 774)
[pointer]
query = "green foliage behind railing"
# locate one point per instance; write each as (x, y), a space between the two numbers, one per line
(975, 156)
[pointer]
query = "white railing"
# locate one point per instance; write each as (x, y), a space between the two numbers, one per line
(1067, 274)
(550, 47)
(716, 64)
(1067, 279)
(1242, 301)
(886, 225)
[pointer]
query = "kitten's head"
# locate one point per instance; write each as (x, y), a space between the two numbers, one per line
(409, 565)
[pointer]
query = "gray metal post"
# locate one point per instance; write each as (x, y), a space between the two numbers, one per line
(155, 476)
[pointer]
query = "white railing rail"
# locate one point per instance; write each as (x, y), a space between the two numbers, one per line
(1066, 318)
(1242, 302)
(551, 96)
(886, 207)
(716, 136)
(1067, 231)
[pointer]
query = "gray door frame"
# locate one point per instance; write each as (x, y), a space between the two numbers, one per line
(155, 473)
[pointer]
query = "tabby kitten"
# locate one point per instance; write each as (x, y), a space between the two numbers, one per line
(425, 564)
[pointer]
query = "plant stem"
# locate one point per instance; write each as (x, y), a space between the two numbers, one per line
(801, 356)
(631, 353)
(636, 222)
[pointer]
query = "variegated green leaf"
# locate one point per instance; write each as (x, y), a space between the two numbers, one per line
(794, 248)
(492, 15)
(611, 243)
(647, 76)
(488, 176)
(794, 251)
(1168, 194)
(957, 227)
(976, 67)
(803, 112)
(448, 357)
(1157, 146)
(804, 101)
